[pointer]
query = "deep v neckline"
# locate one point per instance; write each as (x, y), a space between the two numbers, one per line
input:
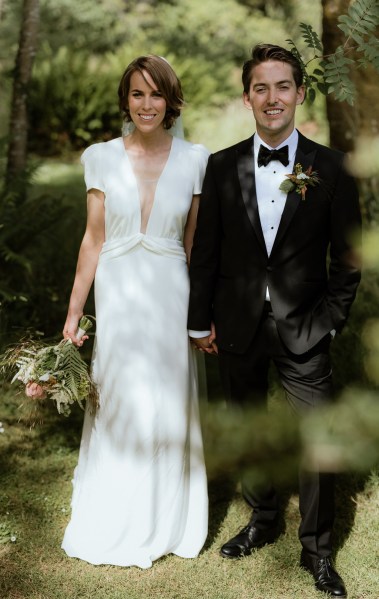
(138, 194)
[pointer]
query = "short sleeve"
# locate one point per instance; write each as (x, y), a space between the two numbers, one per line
(93, 167)
(201, 155)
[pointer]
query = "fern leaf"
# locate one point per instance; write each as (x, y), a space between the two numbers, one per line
(309, 79)
(310, 37)
(371, 52)
(362, 17)
(322, 87)
(337, 71)
(311, 94)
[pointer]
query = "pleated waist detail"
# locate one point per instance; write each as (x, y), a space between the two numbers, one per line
(115, 248)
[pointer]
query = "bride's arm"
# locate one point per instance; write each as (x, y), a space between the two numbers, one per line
(189, 229)
(87, 262)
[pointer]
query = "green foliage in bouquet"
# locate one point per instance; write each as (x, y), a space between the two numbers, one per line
(56, 372)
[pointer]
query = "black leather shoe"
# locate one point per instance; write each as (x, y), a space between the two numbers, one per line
(248, 539)
(324, 574)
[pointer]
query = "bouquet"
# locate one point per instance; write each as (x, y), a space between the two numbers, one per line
(57, 372)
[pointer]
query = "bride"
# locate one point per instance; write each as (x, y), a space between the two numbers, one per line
(139, 489)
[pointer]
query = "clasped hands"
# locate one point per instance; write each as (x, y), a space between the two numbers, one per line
(206, 344)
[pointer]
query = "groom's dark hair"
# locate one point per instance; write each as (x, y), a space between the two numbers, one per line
(263, 52)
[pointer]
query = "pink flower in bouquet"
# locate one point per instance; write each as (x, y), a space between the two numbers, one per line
(35, 391)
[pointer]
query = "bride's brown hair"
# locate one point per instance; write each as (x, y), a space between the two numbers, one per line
(164, 78)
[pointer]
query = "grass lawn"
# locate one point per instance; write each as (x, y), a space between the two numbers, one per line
(59, 176)
(36, 467)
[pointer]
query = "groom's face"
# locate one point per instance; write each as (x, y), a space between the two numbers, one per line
(273, 97)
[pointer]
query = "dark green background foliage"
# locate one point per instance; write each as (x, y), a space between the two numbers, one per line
(84, 48)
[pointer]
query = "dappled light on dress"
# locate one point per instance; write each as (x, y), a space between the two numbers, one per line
(140, 486)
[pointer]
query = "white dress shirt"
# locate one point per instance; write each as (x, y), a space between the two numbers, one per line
(270, 198)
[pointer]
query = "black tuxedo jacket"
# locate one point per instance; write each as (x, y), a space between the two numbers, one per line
(230, 269)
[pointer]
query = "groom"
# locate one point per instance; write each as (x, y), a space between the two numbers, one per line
(259, 271)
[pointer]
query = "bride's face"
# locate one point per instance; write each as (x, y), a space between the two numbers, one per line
(147, 106)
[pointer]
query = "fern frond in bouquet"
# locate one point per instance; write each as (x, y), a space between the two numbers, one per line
(55, 372)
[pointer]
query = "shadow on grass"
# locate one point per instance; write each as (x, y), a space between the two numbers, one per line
(32, 436)
(221, 492)
(348, 487)
(63, 431)
(26, 467)
(222, 488)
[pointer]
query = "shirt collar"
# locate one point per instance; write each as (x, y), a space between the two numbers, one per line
(291, 142)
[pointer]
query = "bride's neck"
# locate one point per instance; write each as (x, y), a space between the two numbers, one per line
(151, 142)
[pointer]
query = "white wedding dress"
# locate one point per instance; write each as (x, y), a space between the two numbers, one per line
(140, 484)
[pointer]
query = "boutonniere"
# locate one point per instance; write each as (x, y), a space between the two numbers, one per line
(300, 181)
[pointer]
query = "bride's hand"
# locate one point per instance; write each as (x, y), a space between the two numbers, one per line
(71, 330)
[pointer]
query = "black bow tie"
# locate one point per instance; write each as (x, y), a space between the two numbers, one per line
(265, 155)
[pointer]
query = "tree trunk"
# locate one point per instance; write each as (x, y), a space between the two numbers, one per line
(18, 128)
(347, 122)
(349, 125)
(343, 118)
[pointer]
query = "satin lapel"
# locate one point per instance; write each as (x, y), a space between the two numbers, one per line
(293, 198)
(246, 175)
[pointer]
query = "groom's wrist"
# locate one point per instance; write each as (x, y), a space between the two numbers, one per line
(198, 334)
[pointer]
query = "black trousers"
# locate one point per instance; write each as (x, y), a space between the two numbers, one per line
(307, 382)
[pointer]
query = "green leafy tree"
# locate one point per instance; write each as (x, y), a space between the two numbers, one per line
(73, 97)
(270, 7)
(93, 27)
(347, 66)
(360, 48)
